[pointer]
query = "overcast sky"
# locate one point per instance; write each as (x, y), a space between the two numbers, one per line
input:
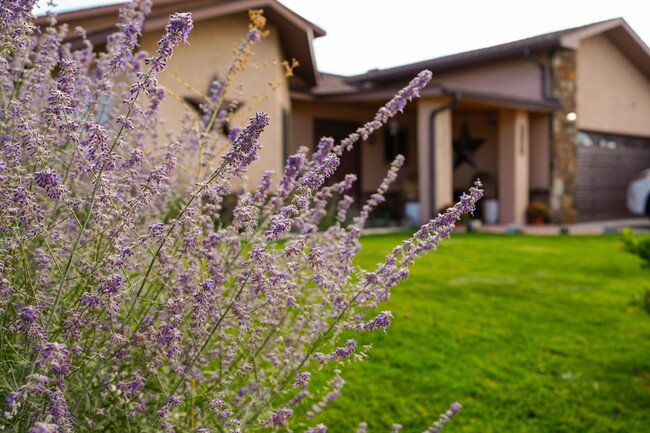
(368, 34)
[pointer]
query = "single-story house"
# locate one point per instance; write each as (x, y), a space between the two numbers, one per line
(562, 118)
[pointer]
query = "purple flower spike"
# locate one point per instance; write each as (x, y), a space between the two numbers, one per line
(177, 30)
(41, 427)
(245, 148)
(382, 321)
(254, 36)
(444, 418)
(279, 418)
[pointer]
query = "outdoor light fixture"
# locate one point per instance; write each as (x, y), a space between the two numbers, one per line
(571, 116)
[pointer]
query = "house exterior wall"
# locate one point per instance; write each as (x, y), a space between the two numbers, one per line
(612, 94)
(374, 167)
(435, 187)
(518, 77)
(513, 165)
(209, 52)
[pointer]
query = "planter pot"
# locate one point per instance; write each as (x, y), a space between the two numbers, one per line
(412, 212)
(537, 221)
(491, 211)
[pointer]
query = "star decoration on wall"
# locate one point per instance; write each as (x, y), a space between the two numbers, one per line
(464, 148)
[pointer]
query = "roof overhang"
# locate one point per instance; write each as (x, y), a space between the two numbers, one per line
(296, 33)
(617, 30)
(463, 93)
(620, 34)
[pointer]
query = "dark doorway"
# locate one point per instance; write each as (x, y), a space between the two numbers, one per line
(350, 161)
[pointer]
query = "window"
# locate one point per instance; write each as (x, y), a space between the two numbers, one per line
(611, 141)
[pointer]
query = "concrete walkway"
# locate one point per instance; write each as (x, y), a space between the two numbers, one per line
(638, 225)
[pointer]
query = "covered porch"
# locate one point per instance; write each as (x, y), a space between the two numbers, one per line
(504, 143)
(450, 137)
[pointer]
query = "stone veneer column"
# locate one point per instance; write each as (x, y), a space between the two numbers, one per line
(564, 160)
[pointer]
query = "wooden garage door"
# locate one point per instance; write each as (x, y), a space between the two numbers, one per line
(606, 165)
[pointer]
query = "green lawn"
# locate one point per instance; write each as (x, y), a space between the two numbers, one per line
(530, 334)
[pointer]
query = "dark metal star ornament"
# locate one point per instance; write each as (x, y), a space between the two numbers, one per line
(228, 107)
(465, 147)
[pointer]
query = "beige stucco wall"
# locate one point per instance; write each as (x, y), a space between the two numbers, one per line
(612, 94)
(513, 166)
(442, 173)
(518, 78)
(210, 52)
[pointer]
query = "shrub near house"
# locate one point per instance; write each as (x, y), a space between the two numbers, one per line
(119, 316)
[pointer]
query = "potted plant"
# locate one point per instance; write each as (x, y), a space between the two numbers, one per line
(537, 212)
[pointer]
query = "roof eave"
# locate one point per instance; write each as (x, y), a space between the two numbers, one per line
(278, 14)
(436, 90)
(449, 63)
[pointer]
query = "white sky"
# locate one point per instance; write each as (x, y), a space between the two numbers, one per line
(367, 34)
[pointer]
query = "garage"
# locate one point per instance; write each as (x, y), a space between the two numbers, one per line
(606, 165)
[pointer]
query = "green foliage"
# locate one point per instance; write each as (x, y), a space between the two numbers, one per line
(637, 245)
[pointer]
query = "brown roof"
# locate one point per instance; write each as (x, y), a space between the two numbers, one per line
(381, 84)
(342, 93)
(296, 33)
(617, 30)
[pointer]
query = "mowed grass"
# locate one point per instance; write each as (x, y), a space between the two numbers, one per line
(529, 334)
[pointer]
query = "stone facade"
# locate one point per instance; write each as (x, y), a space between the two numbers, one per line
(564, 160)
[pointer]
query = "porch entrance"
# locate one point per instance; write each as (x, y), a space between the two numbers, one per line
(350, 161)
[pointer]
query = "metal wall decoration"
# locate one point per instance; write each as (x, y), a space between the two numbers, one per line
(202, 105)
(465, 147)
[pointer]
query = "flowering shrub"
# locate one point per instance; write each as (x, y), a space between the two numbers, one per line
(126, 303)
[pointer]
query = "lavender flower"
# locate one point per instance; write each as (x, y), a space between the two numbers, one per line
(394, 106)
(59, 411)
(444, 418)
(170, 338)
(56, 357)
(302, 380)
(49, 181)
(177, 30)
(125, 287)
(279, 418)
(111, 285)
(123, 43)
(245, 148)
(345, 351)
(41, 427)
(133, 387)
(381, 321)
(172, 402)
(254, 36)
